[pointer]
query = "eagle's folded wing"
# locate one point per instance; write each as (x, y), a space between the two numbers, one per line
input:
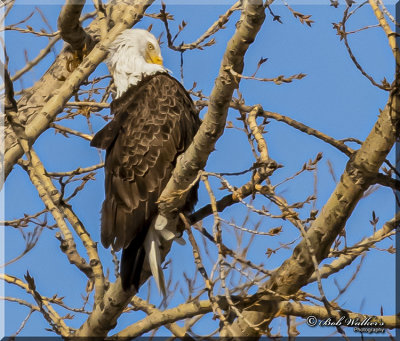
(154, 122)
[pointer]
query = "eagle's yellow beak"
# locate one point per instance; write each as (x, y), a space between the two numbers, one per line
(157, 60)
(153, 58)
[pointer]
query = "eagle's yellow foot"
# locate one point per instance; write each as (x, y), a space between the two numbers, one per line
(76, 59)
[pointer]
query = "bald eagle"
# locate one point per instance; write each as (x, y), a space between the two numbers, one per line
(154, 122)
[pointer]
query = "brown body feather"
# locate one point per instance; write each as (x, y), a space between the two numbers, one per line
(154, 122)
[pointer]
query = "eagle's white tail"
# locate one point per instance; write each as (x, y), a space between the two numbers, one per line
(158, 231)
(152, 247)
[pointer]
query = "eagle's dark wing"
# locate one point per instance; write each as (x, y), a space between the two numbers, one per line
(153, 123)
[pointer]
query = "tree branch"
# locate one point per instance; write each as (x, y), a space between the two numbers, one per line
(385, 26)
(360, 172)
(50, 314)
(158, 319)
(293, 123)
(59, 80)
(195, 157)
(70, 27)
(352, 253)
(104, 317)
(386, 180)
(284, 308)
(150, 309)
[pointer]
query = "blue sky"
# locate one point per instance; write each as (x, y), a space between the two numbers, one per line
(334, 98)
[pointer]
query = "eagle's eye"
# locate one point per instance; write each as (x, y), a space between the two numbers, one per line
(150, 46)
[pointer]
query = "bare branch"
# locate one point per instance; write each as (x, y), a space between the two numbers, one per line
(68, 245)
(388, 31)
(150, 309)
(195, 157)
(9, 102)
(350, 254)
(44, 306)
(88, 104)
(104, 318)
(59, 79)
(293, 123)
(390, 16)
(298, 309)
(168, 316)
(65, 131)
(360, 170)
(76, 171)
(388, 181)
(341, 28)
(277, 80)
(284, 308)
(214, 28)
(70, 27)
(23, 222)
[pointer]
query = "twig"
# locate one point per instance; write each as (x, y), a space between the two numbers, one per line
(23, 222)
(277, 80)
(343, 35)
(68, 245)
(26, 30)
(293, 123)
(76, 171)
(236, 196)
(215, 27)
(348, 255)
(273, 232)
(31, 238)
(362, 29)
(88, 104)
(28, 66)
(65, 131)
(197, 44)
(199, 264)
(351, 280)
(50, 314)
(232, 254)
(23, 323)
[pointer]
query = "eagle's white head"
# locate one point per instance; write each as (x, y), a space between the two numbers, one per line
(134, 54)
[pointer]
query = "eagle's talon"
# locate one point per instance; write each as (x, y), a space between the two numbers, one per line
(77, 58)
